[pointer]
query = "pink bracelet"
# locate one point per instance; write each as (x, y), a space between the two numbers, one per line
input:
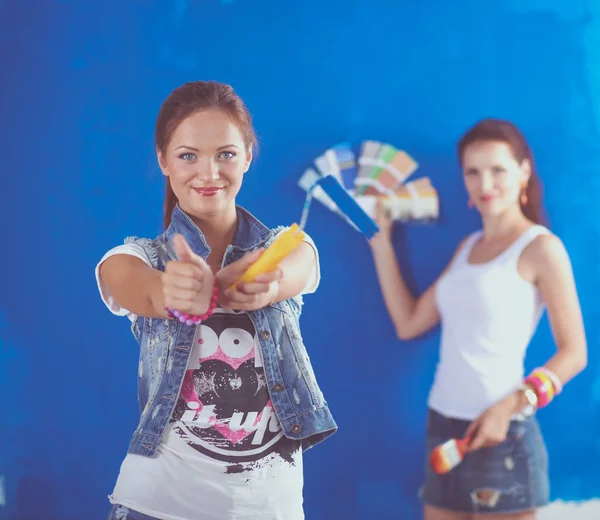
(558, 386)
(543, 388)
(193, 319)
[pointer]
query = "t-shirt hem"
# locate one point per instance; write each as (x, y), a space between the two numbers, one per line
(150, 512)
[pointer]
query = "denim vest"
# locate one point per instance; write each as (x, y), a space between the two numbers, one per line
(165, 347)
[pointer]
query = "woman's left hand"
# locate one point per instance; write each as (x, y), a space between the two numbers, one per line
(491, 427)
(247, 296)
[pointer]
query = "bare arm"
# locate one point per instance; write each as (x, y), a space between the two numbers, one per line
(296, 267)
(134, 285)
(411, 316)
(546, 263)
(286, 281)
(554, 278)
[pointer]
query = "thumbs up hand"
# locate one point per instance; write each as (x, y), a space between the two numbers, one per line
(187, 282)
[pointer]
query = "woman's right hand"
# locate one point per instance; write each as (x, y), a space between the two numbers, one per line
(385, 224)
(187, 282)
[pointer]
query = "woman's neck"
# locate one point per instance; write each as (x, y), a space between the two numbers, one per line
(219, 232)
(508, 223)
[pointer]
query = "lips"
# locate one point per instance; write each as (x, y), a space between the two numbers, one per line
(487, 198)
(208, 192)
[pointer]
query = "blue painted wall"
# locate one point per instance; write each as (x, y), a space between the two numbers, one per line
(81, 86)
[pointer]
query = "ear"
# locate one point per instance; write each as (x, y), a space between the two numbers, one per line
(162, 163)
(526, 169)
(249, 156)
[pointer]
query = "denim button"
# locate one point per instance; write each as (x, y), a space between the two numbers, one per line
(265, 334)
(278, 387)
(296, 428)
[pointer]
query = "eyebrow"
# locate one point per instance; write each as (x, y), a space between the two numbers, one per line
(196, 149)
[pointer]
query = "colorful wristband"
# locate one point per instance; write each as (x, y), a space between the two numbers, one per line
(192, 319)
(548, 385)
(542, 386)
(556, 383)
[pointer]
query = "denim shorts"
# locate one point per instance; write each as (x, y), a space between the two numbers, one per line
(508, 478)
(119, 512)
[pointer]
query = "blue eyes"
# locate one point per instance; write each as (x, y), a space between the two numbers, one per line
(496, 169)
(188, 156)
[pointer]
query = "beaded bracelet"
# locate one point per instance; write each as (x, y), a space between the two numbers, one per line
(192, 319)
(542, 385)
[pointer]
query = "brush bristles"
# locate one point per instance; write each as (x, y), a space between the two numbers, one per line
(445, 457)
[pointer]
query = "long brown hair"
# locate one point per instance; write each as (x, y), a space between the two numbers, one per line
(188, 99)
(507, 132)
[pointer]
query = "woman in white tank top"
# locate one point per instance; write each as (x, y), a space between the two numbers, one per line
(489, 301)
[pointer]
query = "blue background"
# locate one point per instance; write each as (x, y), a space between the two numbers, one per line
(82, 82)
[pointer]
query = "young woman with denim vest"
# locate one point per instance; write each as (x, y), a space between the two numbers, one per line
(489, 301)
(228, 405)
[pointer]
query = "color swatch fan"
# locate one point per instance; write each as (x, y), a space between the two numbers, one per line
(380, 172)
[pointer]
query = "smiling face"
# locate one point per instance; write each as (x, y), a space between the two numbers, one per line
(493, 177)
(205, 160)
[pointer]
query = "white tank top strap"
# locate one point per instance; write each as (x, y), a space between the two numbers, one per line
(513, 252)
(465, 250)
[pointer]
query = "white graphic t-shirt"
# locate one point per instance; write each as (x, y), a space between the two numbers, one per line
(224, 454)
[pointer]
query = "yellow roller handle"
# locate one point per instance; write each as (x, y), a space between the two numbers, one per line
(283, 245)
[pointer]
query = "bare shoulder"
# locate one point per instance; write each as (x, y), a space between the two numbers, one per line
(545, 247)
(546, 255)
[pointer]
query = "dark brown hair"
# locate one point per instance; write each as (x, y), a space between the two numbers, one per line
(507, 132)
(188, 99)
